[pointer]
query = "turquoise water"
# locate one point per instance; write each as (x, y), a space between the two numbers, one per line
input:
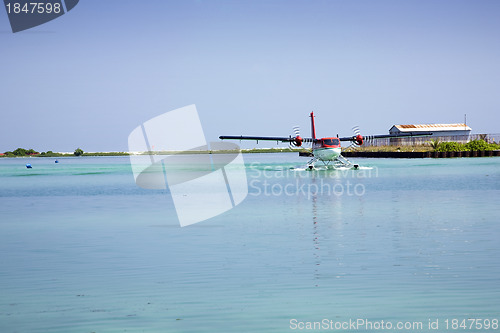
(83, 249)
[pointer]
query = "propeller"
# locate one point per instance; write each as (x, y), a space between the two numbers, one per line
(297, 141)
(357, 139)
(369, 139)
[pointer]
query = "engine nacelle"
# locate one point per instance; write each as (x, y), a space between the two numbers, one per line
(359, 140)
(298, 141)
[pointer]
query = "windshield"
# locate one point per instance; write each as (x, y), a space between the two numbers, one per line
(331, 142)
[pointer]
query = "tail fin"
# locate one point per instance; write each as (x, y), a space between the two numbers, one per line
(313, 129)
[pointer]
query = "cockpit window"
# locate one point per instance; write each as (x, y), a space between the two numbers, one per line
(331, 142)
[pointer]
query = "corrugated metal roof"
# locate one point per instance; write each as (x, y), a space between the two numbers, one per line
(433, 127)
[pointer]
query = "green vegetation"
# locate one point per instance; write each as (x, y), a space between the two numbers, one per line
(21, 152)
(481, 145)
(50, 153)
(435, 143)
(474, 145)
(451, 146)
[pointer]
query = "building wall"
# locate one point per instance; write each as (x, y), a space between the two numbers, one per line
(457, 135)
(394, 130)
(411, 141)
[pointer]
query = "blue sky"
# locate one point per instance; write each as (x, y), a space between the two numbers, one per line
(88, 78)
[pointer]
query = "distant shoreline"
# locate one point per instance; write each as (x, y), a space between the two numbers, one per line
(370, 152)
(244, 151)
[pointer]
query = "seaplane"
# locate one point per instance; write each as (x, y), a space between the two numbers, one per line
(326, 150)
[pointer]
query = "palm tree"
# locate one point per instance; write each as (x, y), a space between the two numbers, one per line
(435, 143)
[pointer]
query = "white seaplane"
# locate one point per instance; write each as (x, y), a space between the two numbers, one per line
(327, 150)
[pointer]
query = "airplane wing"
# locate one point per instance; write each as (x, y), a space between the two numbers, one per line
(265, 138)
(383, 136)
(297, 140)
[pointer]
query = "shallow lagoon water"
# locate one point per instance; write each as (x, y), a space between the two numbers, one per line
(83, 249)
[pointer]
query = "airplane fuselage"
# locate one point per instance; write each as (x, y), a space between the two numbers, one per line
(327, 149)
